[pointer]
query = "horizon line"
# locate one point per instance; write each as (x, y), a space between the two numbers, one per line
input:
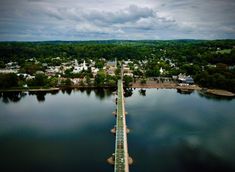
(134, 40)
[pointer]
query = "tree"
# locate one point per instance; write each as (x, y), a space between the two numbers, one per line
(82, 84)
(66, 83)
(8, 80)
(31, 68)
(143, 81)
(2, 64)
(127, 80)
(39, 80)
(111, 80)
(88, 80)
(100, 78)
(99, 64)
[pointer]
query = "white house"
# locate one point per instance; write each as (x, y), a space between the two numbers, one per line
(79, 68)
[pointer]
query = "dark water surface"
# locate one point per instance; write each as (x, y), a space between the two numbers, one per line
(70, 131)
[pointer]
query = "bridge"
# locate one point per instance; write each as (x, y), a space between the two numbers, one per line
(120, 159)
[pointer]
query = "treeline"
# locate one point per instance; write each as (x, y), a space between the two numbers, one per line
(181, 50)
(11, 80)
(219, 77)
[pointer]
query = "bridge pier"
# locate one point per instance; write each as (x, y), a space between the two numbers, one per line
(113, 130)
(111, 160)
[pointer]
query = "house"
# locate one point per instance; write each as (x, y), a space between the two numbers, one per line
(182, 78)
(111, 72)
(94, 71)
(127, 71)
(75, 81)
(24, 75)
(8, 71)
(161, 71)
(112, 64)
(128, 74)
(39, 72)
(79, 68)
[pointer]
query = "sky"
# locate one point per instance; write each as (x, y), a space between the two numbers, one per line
(43, 20)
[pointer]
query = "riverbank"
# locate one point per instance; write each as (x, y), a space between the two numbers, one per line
(189, 88)
(30, 90)
(218, 92)
(167, 85)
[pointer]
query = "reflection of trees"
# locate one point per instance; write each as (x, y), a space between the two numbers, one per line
(16, 96)
(8, 97)
(41, 96)
(100, 93)
(68, 91)
(54, 92)
(63, 91)
(142, 92)
(181, 91)
(82, 90)
(103, 93)
(88, 92)
(128, 92)
(109, 91)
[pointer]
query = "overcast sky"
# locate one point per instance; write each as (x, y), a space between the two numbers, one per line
(38, 20)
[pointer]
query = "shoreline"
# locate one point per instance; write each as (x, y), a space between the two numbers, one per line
(188, 88)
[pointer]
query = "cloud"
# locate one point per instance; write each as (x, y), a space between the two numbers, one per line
(117, 19)
(129, 14)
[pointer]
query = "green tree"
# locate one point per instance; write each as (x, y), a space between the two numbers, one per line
(31, 68)
(2, 64)
(8, 80)
(100, 78)
(88, 80)
(127, 80)
(143, 81)
(39, 80)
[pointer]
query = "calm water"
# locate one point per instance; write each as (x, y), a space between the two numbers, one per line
(70, 131)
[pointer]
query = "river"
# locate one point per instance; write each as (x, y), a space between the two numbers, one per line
(68, 131)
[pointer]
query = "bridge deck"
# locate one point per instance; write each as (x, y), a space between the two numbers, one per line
(121, 148)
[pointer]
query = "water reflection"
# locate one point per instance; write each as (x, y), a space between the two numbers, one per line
(142, 92)
(88, 92)
(67, 91)
(193, 159)
(170, 132)
(128, 92)
(103, 93)
(16, 96)
(214, 97)
(182, 91)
